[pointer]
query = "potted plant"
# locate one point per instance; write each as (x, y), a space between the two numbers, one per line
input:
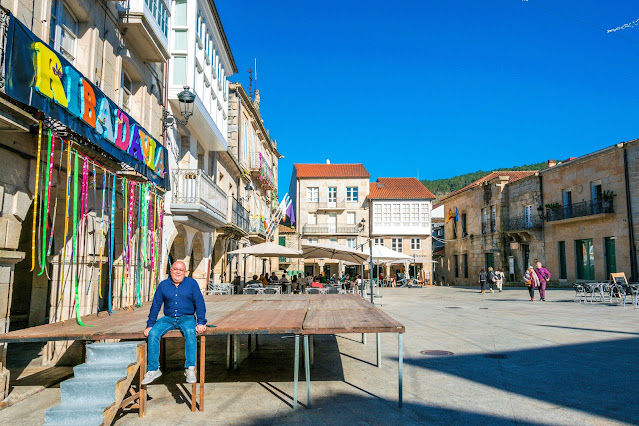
(552, 210)
(607, 198)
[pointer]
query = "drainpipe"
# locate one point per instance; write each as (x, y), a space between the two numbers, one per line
(543, 221)
(631, 233)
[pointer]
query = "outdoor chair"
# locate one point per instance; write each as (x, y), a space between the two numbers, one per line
(580, 292)
(623, 291)
(314, 291)
(270, 291)
(592, 290)
(332, 290)
(250, 290)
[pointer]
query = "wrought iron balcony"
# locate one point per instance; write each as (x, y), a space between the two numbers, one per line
(256, 227)
(239, 216)
(522, 223)
(582, 209)
(261, 166)
(326, 205)
(195, 195)
(330, 229)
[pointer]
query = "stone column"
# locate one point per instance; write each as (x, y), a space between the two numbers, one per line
(8, 259)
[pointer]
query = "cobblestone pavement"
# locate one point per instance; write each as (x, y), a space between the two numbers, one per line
(512, 361)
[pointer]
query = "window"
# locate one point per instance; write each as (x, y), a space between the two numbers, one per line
(567, 199)
(463, 225)
(415, 244)
(179, 70)
(312, 195)
(379, 241)
(350, 218)
(562, 260)
(397, 244)
(333, 240)
(212, 164)
(332, 196)
(465, 261)
(312, 219)
(312, 240)
(456, 264)
(351, 193)
(377, 213)
(527, 216)
(493, 219)
(396, 214)
(454, 224)
(126, 92)
(63, 30)
(414, 214)
(387, 214)
(484, 219)
(245, 142)
(351, 242)
(405, 214)
(159, 12)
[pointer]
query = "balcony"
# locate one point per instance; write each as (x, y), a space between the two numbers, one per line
(326, 205)
(522, 223)
(260, 166)
(579, 210)
(144, 24)
(488, 228)
(330, 229)
(197, 200)
(239, 216)
(257, 230)
(201, 124)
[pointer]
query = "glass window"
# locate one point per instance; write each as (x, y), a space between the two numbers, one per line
(377, 213)
(350, 218)
(126, 92)
(63, 32)
(493, 219)
(463, 224)
(405, 214)
(397, 244)
(456, 265)
(351, 242)
(245, 142)
(312, 240)
(379, 241)
(351, 193)
(312, 194)
(465, 260)
(415, 244)
(179, 70)
(180, 40)
(396, 214)
(332, 195)
(179, 19)
(527, 216)
(484, 219)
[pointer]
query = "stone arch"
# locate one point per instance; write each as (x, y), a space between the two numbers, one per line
(198, 262)
(178, 248)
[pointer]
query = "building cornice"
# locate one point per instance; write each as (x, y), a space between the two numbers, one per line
(218, 22)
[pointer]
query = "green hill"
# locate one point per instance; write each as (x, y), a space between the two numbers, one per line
(441, 187)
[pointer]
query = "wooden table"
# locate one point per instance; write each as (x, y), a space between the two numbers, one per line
(303, 315)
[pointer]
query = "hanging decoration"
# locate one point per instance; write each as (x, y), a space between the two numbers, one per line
(35, 199)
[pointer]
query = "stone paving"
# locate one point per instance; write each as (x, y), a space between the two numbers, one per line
(513, 361)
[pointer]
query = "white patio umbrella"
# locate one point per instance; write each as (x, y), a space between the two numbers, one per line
(383, 254)
(333, 251)
(268, 249)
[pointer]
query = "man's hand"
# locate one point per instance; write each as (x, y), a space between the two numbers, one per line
(146, 331)
(200, 328)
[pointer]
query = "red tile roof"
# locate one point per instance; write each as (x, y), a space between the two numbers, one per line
(331, 171)
(398, 189)
(513, 177)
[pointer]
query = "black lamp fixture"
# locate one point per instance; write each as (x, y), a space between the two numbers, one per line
(540, 210)
(186, 99)
(248, 187)
(361, 224)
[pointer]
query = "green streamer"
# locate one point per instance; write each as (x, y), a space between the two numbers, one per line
(45, 219)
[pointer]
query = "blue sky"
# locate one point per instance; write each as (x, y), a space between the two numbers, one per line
(438, 88)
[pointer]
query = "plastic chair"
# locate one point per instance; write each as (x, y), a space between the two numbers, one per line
(332, 290)
(314, 290)
(250, 290)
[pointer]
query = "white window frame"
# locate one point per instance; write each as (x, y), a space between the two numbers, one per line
(350, 218)
(397, 244)
(415, 244)
(351, 242)
(245, 142)
(58, 27)
(352, 193)
(312, 194)
(312, 240)
(378, 241)
(528, 216)
(126, 90)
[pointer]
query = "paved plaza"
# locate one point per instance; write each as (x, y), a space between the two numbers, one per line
(512, 361)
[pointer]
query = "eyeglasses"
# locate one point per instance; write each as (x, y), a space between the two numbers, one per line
(178, 270)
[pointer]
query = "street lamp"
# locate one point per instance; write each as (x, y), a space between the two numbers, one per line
(186, 99)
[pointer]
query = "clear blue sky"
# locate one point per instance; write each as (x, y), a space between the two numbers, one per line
(443, 87)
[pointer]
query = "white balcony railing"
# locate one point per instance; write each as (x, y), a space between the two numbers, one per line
(194, 188)
(147, 24)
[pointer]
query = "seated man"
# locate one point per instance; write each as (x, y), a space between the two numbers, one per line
(254, 280)
(183, 306)
(316, 283)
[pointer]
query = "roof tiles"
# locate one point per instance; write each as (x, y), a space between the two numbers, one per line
(331, 171)
(513, 175)
(398, 189)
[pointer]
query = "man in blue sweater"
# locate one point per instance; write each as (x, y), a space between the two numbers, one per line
(183, 306)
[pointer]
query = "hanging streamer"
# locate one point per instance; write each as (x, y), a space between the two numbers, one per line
(66, 228)
(111, 240)
(93, 247)
(47, 201)
(102, 235)
(35, 199)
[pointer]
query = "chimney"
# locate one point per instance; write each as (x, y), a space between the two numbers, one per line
(328, 161)
(552, 163)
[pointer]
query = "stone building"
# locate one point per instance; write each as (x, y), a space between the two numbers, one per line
(330, 205)
(200, 204)
(474, 227)
(400, 218)
(114, 55)
(588, 225)
(249, 171)
(288, 237)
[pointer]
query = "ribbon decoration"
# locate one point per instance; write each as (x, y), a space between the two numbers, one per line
(111, 239)
(102, 234)
(35, 199)
(66, 228)
(130, 233)
(93, 248)
(47, 184)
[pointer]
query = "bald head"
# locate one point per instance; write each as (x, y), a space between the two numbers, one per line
(178, 271)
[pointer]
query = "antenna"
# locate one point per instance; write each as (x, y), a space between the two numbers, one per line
(250, 88)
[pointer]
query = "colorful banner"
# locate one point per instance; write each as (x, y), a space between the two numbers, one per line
(38, 76)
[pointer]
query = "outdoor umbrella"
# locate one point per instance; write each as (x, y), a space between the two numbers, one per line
(333, 251)
(383, 254)
(268, 250)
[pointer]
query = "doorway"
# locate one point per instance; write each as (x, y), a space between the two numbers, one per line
(585, 257)
(490, 260)
(610, 255)
(332, 223)
(525, 256)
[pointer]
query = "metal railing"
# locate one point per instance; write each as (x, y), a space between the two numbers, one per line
(584, 208)
(258, 163)
(256, 226)
(326, 204)
(195, 187)
(4, 26)
(522, 222)
(330, 229)
(239, 215)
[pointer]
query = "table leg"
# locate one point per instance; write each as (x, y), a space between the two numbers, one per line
(202, 369)
(296, 367)
(163, 350)
(379, 350)
(364, 338)
(250, 337)
(400, 357)
(236, 351)
(312, 351)
(308, 371)
(141, 387)
(228, 351)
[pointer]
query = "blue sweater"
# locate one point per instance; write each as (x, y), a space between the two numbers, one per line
(185, 299)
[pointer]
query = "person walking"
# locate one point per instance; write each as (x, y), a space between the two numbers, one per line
(500, 279)
(492, 278)
(532, 281)
(184, 310)
(544, 276)
(482, 280)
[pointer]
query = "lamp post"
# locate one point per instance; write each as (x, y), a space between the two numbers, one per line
(186, 99)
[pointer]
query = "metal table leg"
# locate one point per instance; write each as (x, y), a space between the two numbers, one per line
(312, 350)
(379, 350)
(202, 369)
(236, 351)
(296, 368)
(400, 357)
(364, 338)
(308, 371)
(228, 351)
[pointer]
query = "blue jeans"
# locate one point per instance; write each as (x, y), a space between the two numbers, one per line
(186, 325)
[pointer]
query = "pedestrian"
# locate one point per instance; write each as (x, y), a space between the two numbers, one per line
(316, 283)
(492, 278)
(184, 310)
(482, 280)
(264, 280)
(544, 276)
(294, 285)
(500, 279)
(531, 280)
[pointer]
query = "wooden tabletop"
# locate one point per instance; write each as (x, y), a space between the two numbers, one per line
(232, 314)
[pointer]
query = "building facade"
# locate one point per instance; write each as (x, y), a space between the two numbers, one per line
(200, 205)
(400, 218)
(330, 205)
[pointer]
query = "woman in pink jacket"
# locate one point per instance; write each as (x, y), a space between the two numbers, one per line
(544, 276)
